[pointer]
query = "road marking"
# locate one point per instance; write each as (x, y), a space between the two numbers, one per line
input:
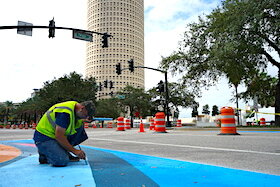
(8, 153)
(188, 146)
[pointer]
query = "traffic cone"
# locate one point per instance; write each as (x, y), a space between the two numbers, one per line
(26, 126)
(141, 127)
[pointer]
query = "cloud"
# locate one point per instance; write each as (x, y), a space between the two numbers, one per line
(165, 24)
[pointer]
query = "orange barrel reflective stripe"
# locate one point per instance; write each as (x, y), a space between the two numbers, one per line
(179, 123)
(120, 124)
(127, 124)
(152, 124)
(228, 126)
(262, 121)
(160, 122)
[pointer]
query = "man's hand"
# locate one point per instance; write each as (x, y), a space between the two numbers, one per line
(62, 140)
(80, 153)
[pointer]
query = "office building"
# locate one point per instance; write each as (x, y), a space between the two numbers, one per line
(124, 20)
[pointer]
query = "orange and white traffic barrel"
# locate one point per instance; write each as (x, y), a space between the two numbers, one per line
(34, 125)
(160, 122)
(152, 124)
(227, 118)
(262, 121)
(179, 123)
(120, 124)
(85, 125)
(110, 125)
(127, 124)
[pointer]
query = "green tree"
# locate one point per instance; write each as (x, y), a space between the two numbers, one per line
(68, 87)
(205, 109)
(263, 87)
(136, 100)
(179, 96)
(215, 110)
(6, 110)
(236, 40)
(108, 108)
(195, 111)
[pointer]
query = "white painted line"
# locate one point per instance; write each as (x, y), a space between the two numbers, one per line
(188, 146)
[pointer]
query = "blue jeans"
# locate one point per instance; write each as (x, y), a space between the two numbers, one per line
(54, 153)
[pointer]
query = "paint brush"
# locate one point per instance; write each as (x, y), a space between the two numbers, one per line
(85, 157)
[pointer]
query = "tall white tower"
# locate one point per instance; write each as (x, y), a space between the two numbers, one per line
(124, 20)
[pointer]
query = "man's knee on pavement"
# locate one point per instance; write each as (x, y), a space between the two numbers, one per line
(60, 161)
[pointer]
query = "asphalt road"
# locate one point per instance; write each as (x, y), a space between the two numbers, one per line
(257, 151)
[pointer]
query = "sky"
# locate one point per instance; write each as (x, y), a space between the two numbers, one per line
(27, 62)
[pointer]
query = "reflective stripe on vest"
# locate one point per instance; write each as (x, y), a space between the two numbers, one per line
(52, 122)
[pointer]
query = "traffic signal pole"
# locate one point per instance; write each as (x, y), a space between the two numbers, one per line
(167, 100)
(166, 91)
(47, 27)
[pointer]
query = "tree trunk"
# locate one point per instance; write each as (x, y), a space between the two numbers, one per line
(277, 101)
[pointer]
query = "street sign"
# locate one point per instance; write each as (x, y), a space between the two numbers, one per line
(81, 35)
(24, 31)
(120, 96)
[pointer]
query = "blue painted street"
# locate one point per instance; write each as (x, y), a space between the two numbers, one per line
(105, 167)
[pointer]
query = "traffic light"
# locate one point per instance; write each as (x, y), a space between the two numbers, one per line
(118, 69)
(105, 40)
(111, 85)
(160, 87)
(105, 84)
(131, 65)
(51, 28)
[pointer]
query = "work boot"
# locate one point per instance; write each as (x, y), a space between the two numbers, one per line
(43, 159)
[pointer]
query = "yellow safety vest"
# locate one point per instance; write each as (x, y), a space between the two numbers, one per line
(47, 123)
